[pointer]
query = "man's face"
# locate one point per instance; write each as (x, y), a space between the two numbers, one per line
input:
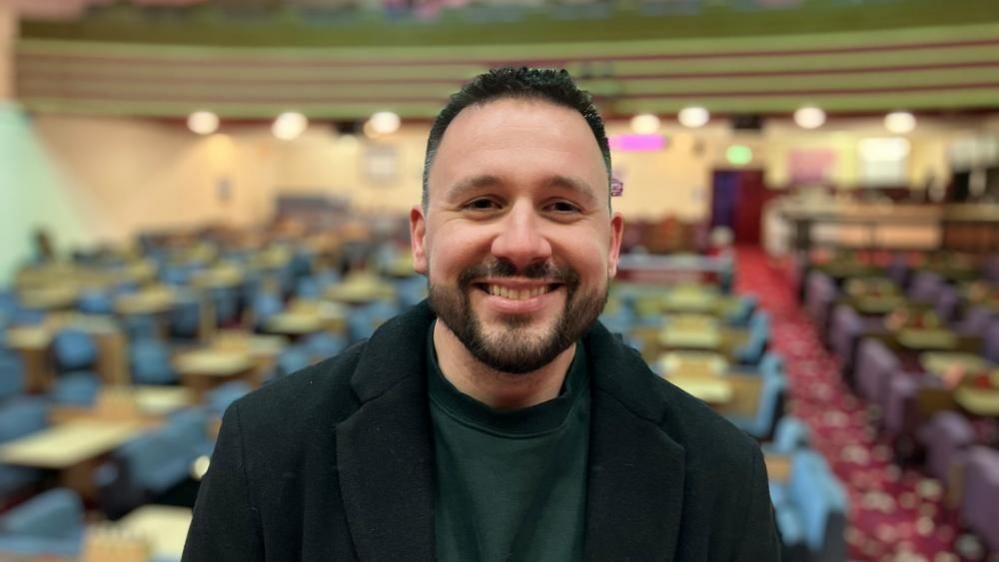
(517, 240)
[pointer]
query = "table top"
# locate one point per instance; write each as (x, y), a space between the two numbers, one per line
(52, 296)
(212, 362)
(939, 362)
(692, 363)
(360, 290)
(148, 301)
(164, 527)
(980, 402)
(711, 390)
(926, 339)
(691, 330)
(258, 346)
(68, 444)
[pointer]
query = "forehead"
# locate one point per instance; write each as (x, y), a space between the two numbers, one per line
(518, 139)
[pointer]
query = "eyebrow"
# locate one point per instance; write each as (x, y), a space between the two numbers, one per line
(577, 186)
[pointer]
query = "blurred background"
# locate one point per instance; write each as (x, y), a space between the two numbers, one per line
(199, 197)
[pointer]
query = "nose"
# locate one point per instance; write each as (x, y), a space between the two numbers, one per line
(521, 239)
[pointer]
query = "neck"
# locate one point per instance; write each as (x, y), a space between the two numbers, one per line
(498, 389)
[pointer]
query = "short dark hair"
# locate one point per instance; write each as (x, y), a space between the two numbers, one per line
(554, 86)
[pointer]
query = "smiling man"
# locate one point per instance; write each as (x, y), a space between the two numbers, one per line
(499, 420)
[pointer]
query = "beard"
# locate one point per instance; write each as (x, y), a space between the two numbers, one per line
(515, 349)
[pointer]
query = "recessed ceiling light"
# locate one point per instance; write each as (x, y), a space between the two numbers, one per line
(645, 124)
(810, 117)
(203, 122)
(694, 117)
(900, 122)
(289, 125)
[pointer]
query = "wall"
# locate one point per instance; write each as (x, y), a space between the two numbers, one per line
(92, 180)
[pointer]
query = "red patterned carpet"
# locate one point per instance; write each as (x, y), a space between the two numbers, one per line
(896, 515)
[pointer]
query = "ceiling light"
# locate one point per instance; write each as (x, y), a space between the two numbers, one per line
(694, 117)
(290, 125)
(900, 122)
(384, 123)
(809, 117)
(645, 124)
(203, 122)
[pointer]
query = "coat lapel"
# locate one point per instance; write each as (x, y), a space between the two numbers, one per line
(635, 488)
(384, 450)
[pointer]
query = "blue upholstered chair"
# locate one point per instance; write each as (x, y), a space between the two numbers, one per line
(11, 375)
(20, 417)
(752, 351)
(363, 321)
(811, 510)
(790, 435)
(51, 523)
(411, 290)
(769, 408)
(265, 305)
(293, 359)
(150, 362)
(95, 302)
(323, 345)
(220, 398)
(79, 388)
(74, 350)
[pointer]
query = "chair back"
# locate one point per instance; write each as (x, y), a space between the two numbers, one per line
(56, 514)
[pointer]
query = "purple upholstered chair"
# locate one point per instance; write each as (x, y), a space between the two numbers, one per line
(946, 303)
(990, 272)
(946, 437)
(975, 321)
(925, 287)
(820, 293)
(991, 348)
(980, 505)
(845, 330)
(900, 406)
(875, 363)
(898, 270)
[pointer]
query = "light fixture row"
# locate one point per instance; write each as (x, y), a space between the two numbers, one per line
(807, 117)
(290, 125)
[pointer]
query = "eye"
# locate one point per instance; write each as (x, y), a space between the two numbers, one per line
(563, 207)
(481, 204)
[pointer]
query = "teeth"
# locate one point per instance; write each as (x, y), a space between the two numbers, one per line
(514, 294)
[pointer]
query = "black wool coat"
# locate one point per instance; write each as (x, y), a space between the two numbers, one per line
(336, 463)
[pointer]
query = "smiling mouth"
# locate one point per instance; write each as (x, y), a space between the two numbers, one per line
(517, 294)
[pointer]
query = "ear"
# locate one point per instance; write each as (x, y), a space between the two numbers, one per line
(417, 239)
(617, 230)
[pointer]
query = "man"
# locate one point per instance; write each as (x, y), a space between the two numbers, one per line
(498, 421)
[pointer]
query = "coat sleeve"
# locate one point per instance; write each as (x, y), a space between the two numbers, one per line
(760, 542)
(226, 523)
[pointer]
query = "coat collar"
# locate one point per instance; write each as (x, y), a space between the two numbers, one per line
(386, 460)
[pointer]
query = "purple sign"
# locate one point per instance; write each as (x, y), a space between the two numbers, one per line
(637, 143)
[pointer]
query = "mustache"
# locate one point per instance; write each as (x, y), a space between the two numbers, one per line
(505, 268)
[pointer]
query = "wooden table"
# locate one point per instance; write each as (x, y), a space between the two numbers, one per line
(33, 343)
(360, 290)
(138, 404)
(303, 318)
(163, 527)
(692, 363)
(778, 467)
(207, 368)
(712, 390)
(72, 449)
(691, 331)
(698, 299)
(939, 362)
